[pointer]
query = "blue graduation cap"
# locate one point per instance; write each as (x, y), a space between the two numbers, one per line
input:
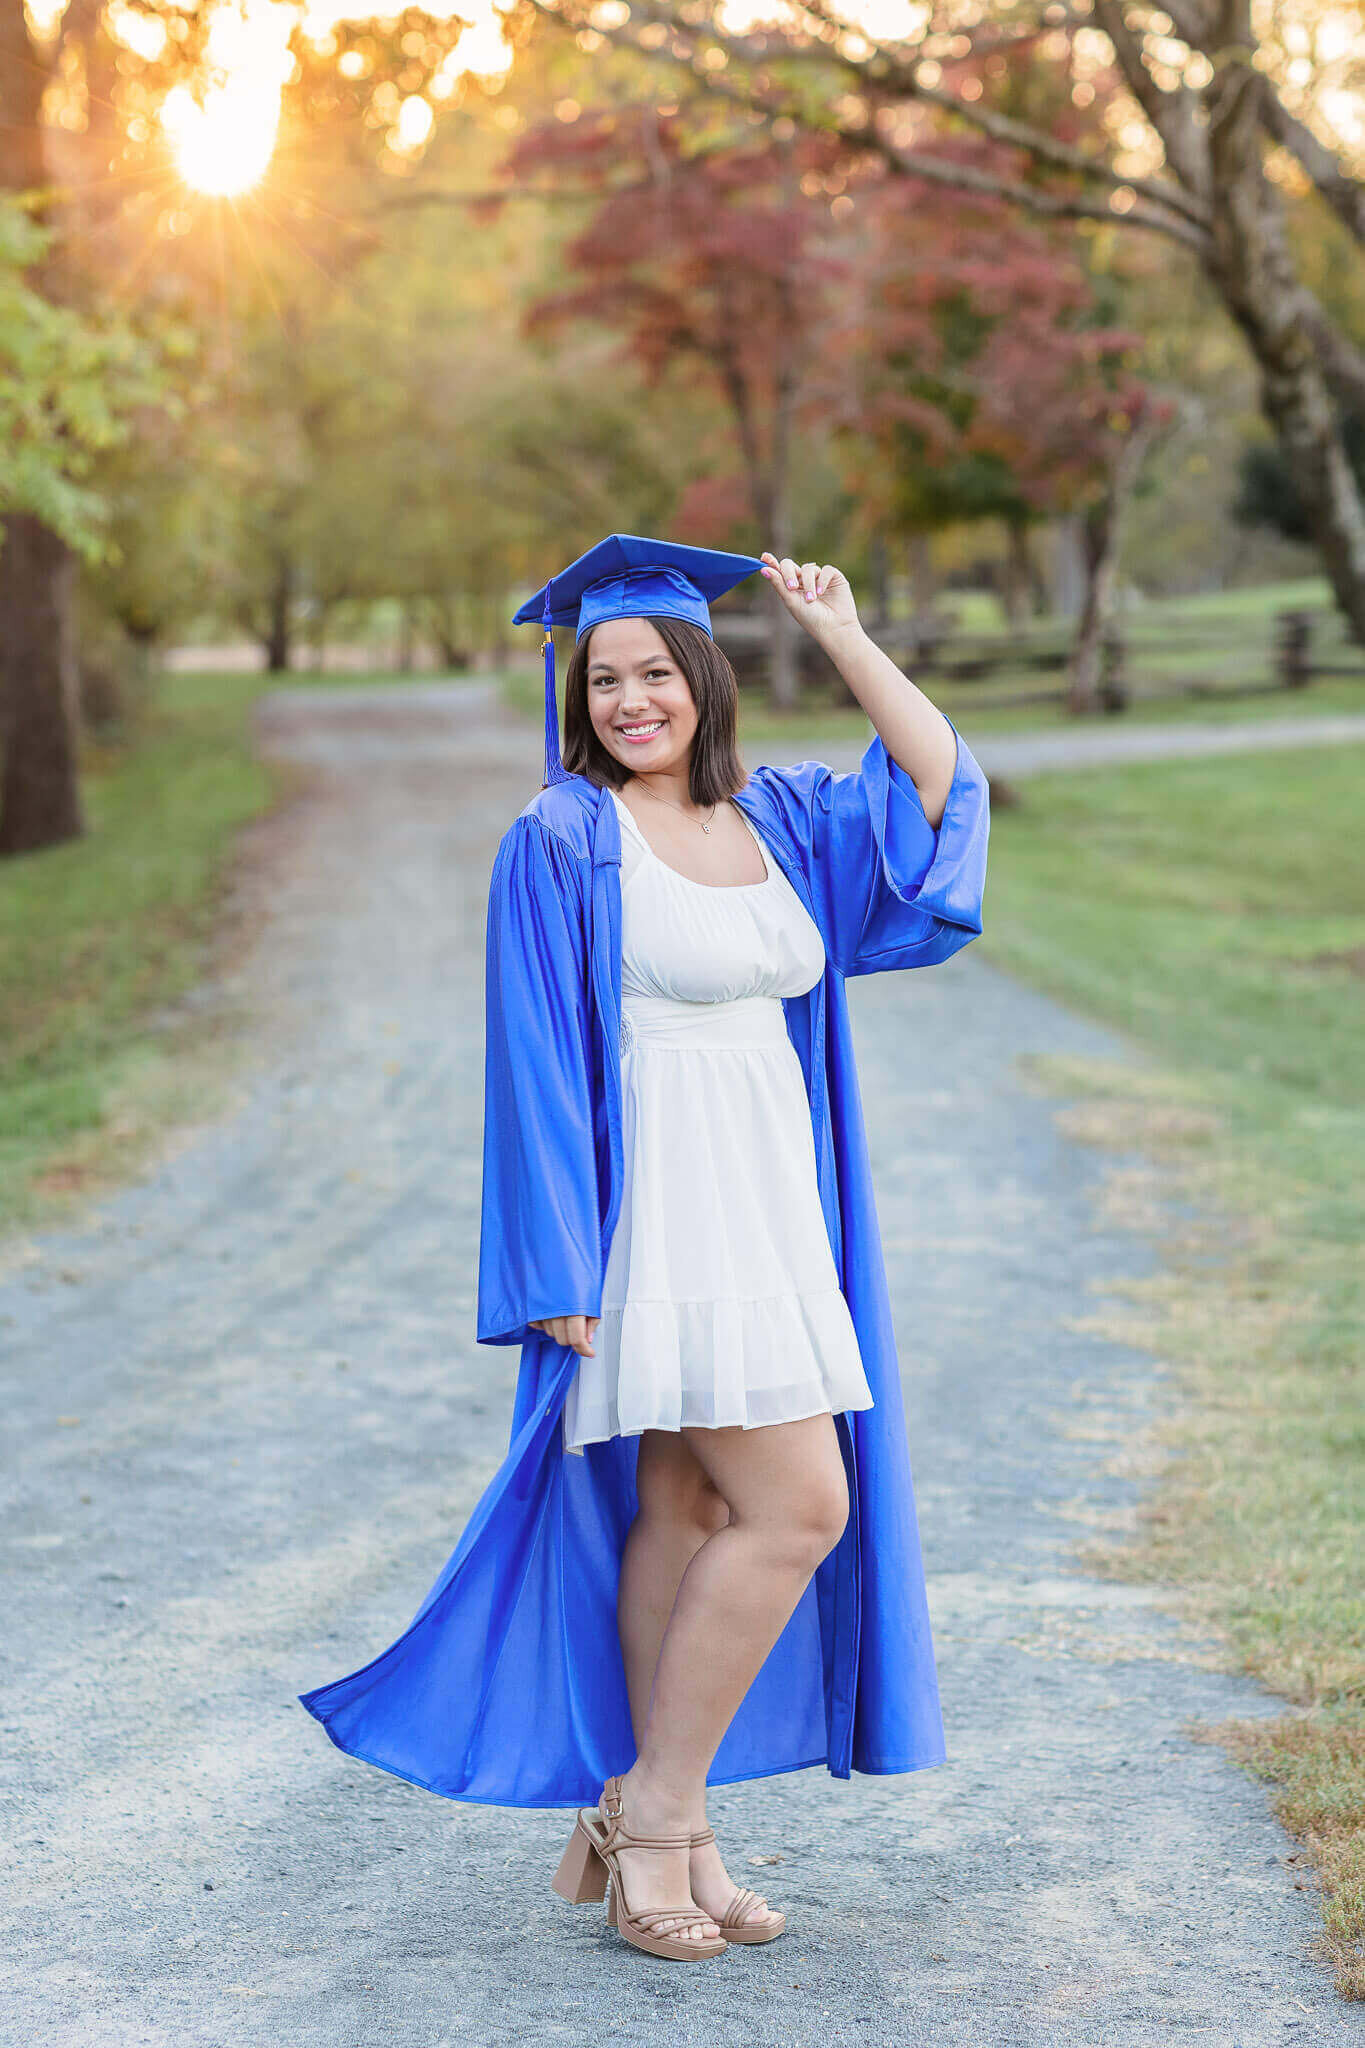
(625, 577)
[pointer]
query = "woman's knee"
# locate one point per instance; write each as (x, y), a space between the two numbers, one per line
(785, 1486)
(803, 1525)
(820, 1514)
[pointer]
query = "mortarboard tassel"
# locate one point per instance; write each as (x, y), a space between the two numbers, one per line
(555, 771)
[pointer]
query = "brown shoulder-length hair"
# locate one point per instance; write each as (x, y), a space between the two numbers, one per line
(715, 769)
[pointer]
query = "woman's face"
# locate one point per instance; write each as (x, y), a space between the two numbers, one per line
(639, 700)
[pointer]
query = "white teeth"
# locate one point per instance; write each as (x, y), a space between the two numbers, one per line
(635, 731)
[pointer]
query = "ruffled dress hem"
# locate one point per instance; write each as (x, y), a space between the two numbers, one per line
(717, 1363)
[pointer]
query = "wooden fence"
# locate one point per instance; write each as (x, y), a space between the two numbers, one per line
(1139, 661)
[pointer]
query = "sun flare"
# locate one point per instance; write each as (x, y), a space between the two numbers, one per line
(224, 137)
(223, 131)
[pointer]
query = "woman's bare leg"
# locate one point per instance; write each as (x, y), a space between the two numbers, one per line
(679, 1509)
(787, 1502)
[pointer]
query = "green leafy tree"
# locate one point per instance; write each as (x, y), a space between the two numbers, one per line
(71, 388)
(80, 132)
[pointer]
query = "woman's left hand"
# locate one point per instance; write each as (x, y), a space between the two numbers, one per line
(815, 593)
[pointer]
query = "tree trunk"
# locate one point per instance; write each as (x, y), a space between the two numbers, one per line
(1299, 408)
(40, 805)
(1098, 534)
(279, 631)
(1100, 527)
(407, 636)
(919, 568)
(1039, 601)
(767, 487)
(1069, 575)
(784, 672)
(1018, 577)
(322, 618)
(879, 578)
(1258, 280)
(442, 628)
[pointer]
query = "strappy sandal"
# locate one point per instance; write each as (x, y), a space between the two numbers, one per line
(732, 1922)
(594, 1852)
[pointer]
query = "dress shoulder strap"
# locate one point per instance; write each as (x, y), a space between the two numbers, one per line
(634, 845)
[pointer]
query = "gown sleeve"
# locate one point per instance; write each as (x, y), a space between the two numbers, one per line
(889, 890)
(540, 1226)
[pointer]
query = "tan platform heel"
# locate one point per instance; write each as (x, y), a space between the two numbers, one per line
(593, 1853)
(733, 1924)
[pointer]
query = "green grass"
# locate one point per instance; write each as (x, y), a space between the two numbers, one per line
(1214, 911)
(102, 934)
(101, 939)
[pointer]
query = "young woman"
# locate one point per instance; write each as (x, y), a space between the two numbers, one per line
(700, 1560)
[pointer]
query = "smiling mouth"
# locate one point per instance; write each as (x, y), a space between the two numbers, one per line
(637, 733)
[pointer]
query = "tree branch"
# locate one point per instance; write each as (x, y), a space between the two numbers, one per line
(1043, 148)
(1193, 22)
(1343, 364)
(958, 177)
(1051, 205)
(884, 74)
(1171, 114)
(1343, 193)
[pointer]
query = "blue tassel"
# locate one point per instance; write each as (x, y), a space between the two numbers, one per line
(555, 771)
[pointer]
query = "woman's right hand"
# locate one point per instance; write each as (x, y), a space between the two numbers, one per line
(570, 1330)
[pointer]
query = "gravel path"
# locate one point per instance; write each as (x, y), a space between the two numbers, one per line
(249, 1419)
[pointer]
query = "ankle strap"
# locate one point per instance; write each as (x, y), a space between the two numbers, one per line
(617, 1835)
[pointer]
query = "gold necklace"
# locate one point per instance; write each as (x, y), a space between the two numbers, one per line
(675, 807)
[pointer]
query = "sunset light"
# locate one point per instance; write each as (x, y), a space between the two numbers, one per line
(224, 138)
(223, 132)
(223, 129)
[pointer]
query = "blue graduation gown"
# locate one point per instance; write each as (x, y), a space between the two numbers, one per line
(508, 1686)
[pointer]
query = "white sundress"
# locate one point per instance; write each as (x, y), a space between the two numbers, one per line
(721, 1304)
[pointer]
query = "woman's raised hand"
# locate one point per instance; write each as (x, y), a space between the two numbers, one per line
(815, 593)
(570, 1330)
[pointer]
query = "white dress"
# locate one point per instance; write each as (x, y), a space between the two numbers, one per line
(721, 1303)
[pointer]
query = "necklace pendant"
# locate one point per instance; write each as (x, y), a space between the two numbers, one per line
(706, 828)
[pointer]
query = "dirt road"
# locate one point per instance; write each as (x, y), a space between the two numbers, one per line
(247, 1419)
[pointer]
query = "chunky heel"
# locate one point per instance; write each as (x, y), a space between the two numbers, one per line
(582, 1875)
(594, 1851)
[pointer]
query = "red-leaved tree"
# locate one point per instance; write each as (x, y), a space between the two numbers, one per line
(979, 363)
(714, 260)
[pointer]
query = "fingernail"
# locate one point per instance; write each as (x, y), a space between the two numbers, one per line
(791, 583)
(810, 594)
